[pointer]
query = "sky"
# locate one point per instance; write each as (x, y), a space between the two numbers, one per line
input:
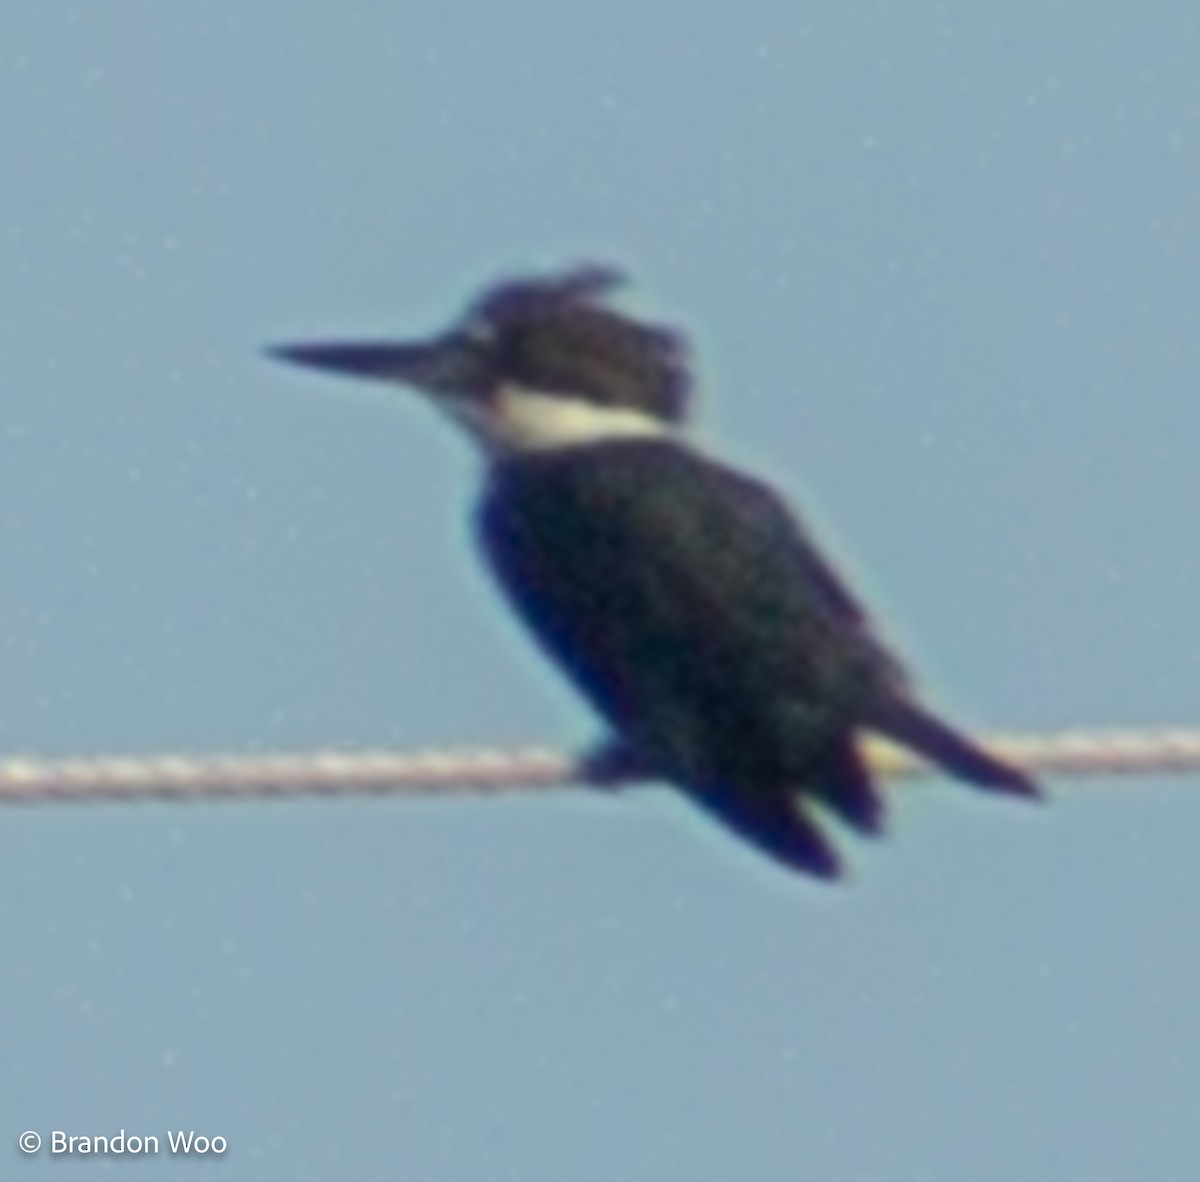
(939, 264)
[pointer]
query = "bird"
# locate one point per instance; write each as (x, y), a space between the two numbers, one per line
(722, 650)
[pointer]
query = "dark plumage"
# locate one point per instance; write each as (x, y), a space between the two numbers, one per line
(730, 657)
(555, 334)
(682, 598)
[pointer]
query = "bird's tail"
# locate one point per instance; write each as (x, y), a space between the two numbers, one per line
(906, 722)
(842, 782)
(775, 821)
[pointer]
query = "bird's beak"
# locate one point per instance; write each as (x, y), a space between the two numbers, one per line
(445, 365)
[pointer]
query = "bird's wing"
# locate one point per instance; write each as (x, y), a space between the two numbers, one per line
(691, 608)
(666, 583)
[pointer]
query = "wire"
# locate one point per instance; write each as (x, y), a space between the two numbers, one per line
(377, 773)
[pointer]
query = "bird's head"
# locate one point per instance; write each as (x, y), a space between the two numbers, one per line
(533, 364)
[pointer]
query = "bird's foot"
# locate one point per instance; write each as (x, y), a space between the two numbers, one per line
(614, 765)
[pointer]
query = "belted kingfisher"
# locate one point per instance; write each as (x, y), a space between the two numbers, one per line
(685, 601)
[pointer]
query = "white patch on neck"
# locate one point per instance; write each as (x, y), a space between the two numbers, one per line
(518, 419)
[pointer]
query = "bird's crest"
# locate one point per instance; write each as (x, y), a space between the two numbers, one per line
(557, 332)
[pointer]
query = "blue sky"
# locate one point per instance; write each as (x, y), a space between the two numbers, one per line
(940, 269)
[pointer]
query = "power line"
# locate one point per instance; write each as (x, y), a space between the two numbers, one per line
(177, 777)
